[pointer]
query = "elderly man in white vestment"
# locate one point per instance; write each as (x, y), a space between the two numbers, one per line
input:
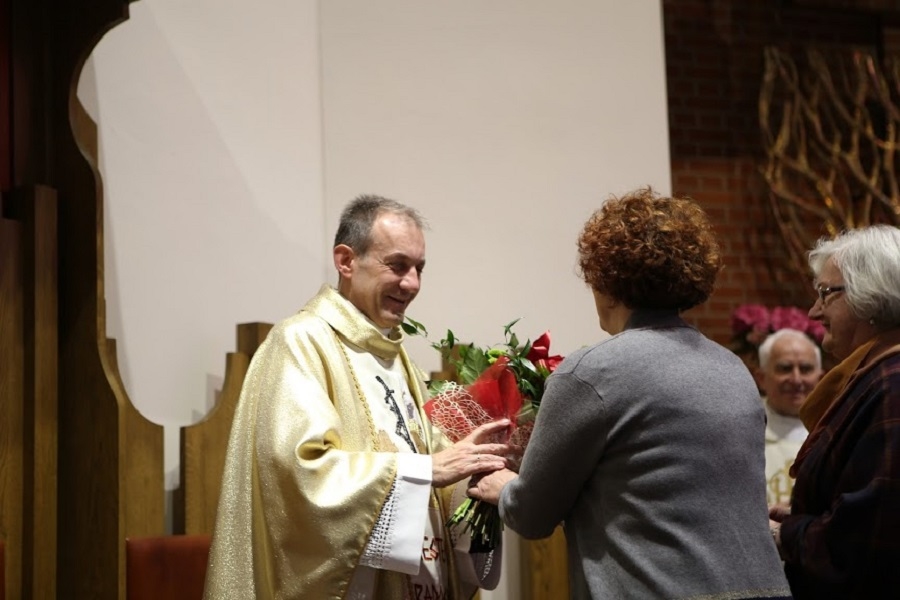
(335, 485)
(790, 366)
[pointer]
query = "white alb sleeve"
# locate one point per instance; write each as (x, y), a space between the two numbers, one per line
(396, 540)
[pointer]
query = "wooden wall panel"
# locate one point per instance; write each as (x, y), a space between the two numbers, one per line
(545, 571)
(35, 208)
(203, 445)
(111, 482)
(12, 357)
(80, 467)
(5, 95)
(141, 462)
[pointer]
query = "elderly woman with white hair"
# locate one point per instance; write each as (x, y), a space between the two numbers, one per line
(841, 537)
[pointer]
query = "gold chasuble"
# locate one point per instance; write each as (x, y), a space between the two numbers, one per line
(307, 473)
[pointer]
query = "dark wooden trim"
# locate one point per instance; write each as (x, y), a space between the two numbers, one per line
(5, 95)
(12, 399)
(36, 210)
(92, 464)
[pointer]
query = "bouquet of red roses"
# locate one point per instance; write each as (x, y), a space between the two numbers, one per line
(492, 384)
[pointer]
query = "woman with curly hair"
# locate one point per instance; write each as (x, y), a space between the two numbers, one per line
(649, 445)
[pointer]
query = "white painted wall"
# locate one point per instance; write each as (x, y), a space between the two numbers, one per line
(232, 134)
(507, 123)
(209, 124)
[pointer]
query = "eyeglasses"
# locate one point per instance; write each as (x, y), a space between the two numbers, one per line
(824, 291)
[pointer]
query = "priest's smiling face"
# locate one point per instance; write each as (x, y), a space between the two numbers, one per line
(384, 281)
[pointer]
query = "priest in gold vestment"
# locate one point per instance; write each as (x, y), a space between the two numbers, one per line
(335, 485)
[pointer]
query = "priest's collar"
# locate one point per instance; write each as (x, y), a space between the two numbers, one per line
(352, 324)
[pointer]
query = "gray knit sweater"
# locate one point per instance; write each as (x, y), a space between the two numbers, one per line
(650, 447)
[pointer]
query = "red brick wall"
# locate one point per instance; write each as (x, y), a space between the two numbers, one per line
(714, 60)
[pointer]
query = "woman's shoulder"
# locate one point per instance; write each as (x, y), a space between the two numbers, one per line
(883, 380)
(672, 350)
(623, 350)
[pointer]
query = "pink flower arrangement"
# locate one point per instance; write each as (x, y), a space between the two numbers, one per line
(752, 323)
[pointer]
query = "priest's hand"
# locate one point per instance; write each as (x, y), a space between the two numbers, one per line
(471, 455)
(488, 487)
(778, 512)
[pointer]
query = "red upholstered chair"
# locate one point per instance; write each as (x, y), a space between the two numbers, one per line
(169, 566)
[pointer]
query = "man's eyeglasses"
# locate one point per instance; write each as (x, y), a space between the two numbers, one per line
(824, 291)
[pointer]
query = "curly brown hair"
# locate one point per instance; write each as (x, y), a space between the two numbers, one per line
(649, 251)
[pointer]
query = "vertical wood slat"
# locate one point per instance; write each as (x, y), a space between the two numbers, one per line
(2, 570)
(12, 399)
(544, 566)
(203, 444)
(36, 207)
(5, 95)
(111, 481)
(141, 465)
(250, 336)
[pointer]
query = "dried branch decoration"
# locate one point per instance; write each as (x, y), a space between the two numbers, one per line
(829, 129)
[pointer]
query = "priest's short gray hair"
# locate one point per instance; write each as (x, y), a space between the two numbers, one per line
(355, 227)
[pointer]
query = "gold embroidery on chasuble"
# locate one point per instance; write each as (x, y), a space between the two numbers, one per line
(392, 397)
(383, 387)
(420, 443)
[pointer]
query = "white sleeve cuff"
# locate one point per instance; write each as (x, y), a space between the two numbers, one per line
(414, 468)
(400, 527)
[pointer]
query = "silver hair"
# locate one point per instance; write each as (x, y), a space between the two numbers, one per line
(765, 349)
(869, 260)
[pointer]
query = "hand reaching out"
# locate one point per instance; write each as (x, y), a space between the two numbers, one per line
(777, 512)
(488, 487)
(471, 455)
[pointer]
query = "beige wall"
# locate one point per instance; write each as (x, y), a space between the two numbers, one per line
(232, 133)
(507, 122)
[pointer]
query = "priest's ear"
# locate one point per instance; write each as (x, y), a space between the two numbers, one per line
(343, 260)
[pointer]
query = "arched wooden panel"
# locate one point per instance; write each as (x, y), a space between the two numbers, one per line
(111, 482)
(203, 444)
(91, 465)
